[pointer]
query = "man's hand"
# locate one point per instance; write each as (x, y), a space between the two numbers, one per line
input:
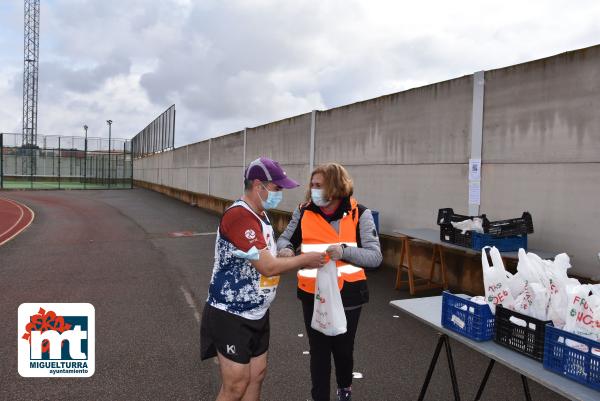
(335, 252)
(314, 259)
(285, 253)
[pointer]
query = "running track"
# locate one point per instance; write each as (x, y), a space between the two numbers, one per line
(14, 218)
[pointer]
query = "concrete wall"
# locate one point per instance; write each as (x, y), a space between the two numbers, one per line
(288, 142)
(408, 153)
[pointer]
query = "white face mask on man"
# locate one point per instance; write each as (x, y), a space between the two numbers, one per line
(318, 198)
(273, 199)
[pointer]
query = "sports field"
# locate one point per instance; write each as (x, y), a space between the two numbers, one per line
(61, 185)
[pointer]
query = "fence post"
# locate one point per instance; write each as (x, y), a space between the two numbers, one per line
(474, 174)
(124, 161)
(31, 163)
(244, 160)
(173, 136)
(85, 146)
(59, 157)
(131, 158)
(311, 157)
(1, 160)
(109, 172)
(209, 163)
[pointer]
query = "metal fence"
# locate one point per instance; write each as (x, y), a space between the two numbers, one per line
(158, 136)
(65, 162)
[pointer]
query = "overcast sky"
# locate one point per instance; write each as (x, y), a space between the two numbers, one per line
(234, 64)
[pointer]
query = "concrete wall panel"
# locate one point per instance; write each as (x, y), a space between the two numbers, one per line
(151, 175)
(180, 157)
(562, 201)
(198, 154)
(293, 197)
(424, 125)
(226, 182)
(409, 196)
(286, 141)
(180, 179)
(544, 111)
(227, 150)
(198, 179)
(166, 159)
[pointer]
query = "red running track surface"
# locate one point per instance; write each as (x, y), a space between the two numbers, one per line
(14, 218)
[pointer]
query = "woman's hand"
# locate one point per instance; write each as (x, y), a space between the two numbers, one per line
(335, 252)
(285, 253)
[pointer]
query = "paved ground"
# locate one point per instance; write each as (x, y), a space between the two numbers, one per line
(112, 249)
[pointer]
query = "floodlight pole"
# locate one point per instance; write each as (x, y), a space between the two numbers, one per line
(109, 122)
(85, 127)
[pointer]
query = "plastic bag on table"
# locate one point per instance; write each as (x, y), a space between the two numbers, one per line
(526, 273)
(533, 301)
(328, 313)
(496, 280)
(558, 284)
(540, 269)
(475, 224)
(583, 316)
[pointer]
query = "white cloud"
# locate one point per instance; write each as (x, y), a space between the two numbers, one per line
(229, 65)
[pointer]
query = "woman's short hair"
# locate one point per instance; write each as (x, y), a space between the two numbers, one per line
(337, 183)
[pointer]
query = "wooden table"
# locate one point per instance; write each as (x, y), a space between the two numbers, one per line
(432, 236)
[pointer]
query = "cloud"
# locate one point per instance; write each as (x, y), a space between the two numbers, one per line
(230, 65)
(58, 77)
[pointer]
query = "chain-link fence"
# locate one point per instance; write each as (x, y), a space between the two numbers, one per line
(158, 136)
(65, 162)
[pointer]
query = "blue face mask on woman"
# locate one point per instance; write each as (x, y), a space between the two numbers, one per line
(318, 198)
(273, 199)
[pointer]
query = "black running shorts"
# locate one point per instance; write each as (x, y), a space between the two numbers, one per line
(236, 338)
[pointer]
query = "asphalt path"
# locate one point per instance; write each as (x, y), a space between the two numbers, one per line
(115, 250)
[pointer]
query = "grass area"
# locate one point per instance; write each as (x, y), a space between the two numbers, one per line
(60, 185)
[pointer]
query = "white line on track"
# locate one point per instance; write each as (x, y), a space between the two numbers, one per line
(20, 218)
(190, 301)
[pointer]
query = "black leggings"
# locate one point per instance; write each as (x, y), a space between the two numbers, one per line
(321, 348)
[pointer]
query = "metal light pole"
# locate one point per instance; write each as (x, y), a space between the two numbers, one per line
(85, 127)
(109, 122)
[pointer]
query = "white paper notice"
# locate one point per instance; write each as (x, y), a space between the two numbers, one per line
(474, 169)
(474, 193)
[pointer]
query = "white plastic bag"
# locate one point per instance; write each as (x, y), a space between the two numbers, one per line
(559, 282)
(533, 301)
(583, 317)
(496, 280)
(475, 224)
(531, 284)
(328, 313)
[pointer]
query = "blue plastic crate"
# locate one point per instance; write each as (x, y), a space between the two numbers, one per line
(505, 244)
(467, 318)
(579, 364)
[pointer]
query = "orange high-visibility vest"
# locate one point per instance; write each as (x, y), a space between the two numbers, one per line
(318, 235)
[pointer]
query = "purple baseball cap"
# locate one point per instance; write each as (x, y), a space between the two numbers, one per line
(265, 169)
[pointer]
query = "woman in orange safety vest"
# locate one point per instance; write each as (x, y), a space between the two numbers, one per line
(331, 220)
